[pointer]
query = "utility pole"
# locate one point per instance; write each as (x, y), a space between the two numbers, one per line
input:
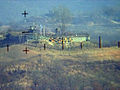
(43, 31)
(25, 15)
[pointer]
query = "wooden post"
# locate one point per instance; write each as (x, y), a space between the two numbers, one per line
(118, 44)
(62, 43)
(44, 46)
(81, 45)
(7, 48)
(100, 44)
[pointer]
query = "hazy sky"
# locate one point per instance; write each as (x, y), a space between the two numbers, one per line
(10, 10)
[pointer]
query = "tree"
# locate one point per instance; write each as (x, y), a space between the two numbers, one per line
(111, 12)
(62, 16)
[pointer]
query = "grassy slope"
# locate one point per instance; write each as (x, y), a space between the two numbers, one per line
(64, 70)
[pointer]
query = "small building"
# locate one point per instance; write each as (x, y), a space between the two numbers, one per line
(31, 34)
(70, 38)
(80, 38)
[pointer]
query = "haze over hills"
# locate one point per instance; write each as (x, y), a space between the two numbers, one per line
(11, 9)
(92, 16)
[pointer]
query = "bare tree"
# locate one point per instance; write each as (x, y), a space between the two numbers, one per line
(62, 16)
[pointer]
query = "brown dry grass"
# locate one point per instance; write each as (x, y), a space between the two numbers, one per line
(16, 53)
(66, 63)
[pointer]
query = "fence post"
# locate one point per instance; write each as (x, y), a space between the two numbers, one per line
(81, 45)
(100, 44)
(44, 46)
(7, 48)
(62, 43)
(118, 44)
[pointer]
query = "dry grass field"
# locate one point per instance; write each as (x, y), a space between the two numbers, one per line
(50, 69)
